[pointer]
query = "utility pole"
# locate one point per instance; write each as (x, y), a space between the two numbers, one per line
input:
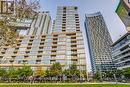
(101, 73)
(80, 70)
(87, 75)
(115, 78)
(100, 69)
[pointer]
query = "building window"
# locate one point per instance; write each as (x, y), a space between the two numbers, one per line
(75, 8)
(64, 8)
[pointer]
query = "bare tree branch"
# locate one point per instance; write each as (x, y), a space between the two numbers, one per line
(24, 10)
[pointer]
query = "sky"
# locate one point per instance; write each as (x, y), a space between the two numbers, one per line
(106, 7)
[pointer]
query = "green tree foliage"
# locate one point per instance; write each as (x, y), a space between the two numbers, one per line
(118, 73)
(67, 72)
(12, 72)
(109, 74)
(72, 71)
(48, 73)
(25, 71)
(96, 76)
(84, 74)
(56, 69)
(3, 72)
(126, 72)
(16, 72)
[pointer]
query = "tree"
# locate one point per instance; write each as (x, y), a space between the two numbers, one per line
(126, 72)
(40, 72)
(3, 72)
(48, 73)
(96, 76)
(67, 72)
(12, 72)
(7, 33)
(26, 9)
(56, 69)
(72, 71)
(84, 74)
(23, 9)
(109, 74)
(25, 71)
(118, 73)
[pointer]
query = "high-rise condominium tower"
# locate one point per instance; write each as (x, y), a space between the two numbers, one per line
(67, 20)
(41, 47)
(29, 49)
(41, 25)
(69, 39)
(99, 42)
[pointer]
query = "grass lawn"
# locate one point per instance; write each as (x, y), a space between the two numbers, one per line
(62, 85)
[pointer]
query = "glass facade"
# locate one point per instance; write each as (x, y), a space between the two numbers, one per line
(99, 43)
(121, 52)
(64, 45)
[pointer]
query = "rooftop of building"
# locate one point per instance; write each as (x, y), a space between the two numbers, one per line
(67, 6)
(93, 14)
(120, 39)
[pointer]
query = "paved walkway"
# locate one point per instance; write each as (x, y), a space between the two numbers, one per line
(61, 83)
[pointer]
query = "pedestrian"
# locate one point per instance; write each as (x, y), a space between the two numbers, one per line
(31, 78)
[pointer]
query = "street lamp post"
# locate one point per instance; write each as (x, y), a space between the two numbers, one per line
(101, 73)
(100, 69)
(79, 72)
(115, 78)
